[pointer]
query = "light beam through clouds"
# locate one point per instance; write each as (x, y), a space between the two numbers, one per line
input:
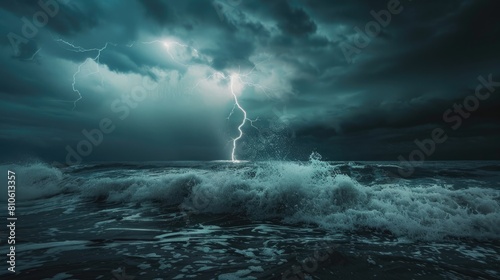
(169, 44)
(236, 82)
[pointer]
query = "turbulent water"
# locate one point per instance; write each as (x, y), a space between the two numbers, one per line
(256, 220)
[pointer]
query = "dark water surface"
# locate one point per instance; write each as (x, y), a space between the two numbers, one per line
(256, 220)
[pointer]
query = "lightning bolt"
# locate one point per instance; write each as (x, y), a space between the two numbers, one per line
(237, 103)
(236, 78)
(96, 59)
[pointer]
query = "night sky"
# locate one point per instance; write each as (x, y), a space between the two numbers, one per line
(309, 78)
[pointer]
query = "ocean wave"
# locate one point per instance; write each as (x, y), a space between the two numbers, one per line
(295, 192)
(33, 180)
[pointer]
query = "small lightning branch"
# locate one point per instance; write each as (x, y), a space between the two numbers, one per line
(34, 54)
(168, 44)
(96, 59)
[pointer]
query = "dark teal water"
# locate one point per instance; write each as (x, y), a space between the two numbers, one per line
(257, 220)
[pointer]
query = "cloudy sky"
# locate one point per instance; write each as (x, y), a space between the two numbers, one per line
(156, 79)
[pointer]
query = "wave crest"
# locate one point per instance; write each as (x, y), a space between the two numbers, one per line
(295, 192)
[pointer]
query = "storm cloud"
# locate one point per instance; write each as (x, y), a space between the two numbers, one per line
(370, 104)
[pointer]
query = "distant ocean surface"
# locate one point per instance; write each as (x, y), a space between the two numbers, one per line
(255, 220)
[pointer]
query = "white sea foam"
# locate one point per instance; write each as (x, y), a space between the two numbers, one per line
(292, 191)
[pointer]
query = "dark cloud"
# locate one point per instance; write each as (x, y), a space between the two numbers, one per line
(427, 59)
(68, 19)
(293, 21)
(158, 11)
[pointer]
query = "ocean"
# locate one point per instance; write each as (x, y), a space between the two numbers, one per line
(254, 220)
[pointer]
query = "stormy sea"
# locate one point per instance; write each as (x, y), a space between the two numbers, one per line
(255, 220)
